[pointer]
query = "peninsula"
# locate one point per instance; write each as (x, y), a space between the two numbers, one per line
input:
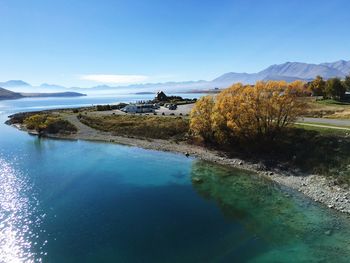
(10, 95)
(310, 158)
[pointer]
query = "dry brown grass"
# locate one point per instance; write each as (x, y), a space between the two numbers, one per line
(327, 109)
(140, 126)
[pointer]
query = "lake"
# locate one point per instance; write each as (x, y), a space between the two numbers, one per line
(78, 201)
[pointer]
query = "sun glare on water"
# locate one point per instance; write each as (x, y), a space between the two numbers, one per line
(19, 229)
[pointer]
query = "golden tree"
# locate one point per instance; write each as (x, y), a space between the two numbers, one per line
(248, 112)
(200, 118)
(318, 86)
(255, 111)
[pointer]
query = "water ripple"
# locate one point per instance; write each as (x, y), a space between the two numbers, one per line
(19, 223)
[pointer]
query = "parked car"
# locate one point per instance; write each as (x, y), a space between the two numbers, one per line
(172, 107)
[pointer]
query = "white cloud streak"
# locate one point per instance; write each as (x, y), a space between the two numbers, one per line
(115, 79)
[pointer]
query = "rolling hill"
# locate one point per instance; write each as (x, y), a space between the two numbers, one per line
(9, 95)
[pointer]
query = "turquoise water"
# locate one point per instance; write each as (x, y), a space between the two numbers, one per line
(76, 201)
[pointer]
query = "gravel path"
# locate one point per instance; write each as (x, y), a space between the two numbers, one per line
(323, 126)
(335, 122)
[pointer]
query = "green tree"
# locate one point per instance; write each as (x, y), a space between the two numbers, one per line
(318, 86)
(335, 89)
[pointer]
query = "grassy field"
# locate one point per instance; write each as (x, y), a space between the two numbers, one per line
(333, 103)
(327, 108)
(140, 126)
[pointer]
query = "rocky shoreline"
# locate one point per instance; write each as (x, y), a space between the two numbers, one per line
(316, 187)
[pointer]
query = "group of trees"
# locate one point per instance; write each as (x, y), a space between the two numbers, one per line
(246, 112)
(333, 88)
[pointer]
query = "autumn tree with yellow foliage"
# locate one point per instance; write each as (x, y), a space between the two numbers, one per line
(201, 118)
(248, 112)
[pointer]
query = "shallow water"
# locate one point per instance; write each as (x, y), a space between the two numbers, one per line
(76, 201)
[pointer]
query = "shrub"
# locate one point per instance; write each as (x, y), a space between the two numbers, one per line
(103, 107)
(46, 123)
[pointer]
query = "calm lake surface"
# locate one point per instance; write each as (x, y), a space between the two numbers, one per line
(76, 201)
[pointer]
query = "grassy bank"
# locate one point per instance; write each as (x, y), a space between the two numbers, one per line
(139, 126)
(311, 150)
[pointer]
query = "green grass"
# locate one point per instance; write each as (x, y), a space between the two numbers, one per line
(333, 102)
(140, 126)
(324, 130)
(326, 124)
(311, 150)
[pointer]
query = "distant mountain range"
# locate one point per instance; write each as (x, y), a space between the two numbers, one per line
(10, 95)
(14, 83)
(288, 71)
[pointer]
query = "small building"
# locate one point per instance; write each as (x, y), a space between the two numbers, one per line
(161, 96)
(138, 108)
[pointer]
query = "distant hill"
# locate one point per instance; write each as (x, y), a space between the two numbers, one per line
(13, 83)
(288, 71)
(51, 86)
(10, 95)
(54, 94)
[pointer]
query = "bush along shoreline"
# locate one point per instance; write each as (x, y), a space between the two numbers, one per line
(42, 123)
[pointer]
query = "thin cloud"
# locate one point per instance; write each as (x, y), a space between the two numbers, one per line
(115, 79)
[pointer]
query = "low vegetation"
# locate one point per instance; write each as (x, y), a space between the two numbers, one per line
(139, 126)
(311, 150)
(48, 123)
(327, 108)
(110, 107)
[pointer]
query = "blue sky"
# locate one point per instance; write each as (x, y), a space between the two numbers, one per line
(86, 43)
